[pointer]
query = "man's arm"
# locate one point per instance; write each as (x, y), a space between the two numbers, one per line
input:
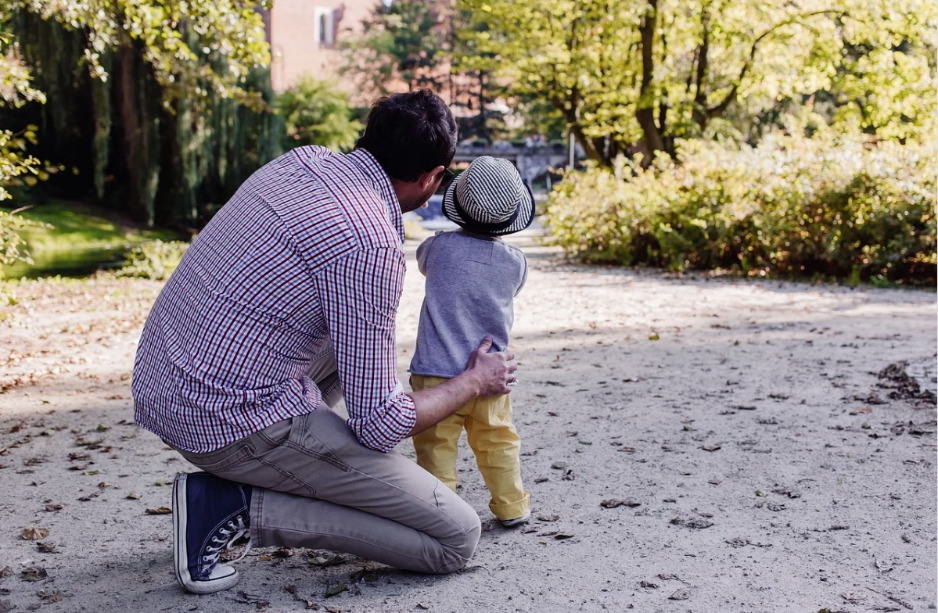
(486, 374)
(360, 295)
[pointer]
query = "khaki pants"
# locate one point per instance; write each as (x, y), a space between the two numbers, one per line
(493, 440)
(316, 486)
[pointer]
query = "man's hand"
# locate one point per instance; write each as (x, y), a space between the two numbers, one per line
(494, 372)
(486, 374)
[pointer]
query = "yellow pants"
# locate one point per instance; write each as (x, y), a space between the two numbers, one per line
(493, 440)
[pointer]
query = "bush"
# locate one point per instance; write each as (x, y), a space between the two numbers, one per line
(13, 246)
(792, 207)
(153, 260)
(317, 112)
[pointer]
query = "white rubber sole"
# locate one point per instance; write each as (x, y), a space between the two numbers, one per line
(223, 576)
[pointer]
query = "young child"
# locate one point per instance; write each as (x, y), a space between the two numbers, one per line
(472, 278)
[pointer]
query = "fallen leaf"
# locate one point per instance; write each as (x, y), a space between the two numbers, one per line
(681, 594)
(618, 502)
(133, 496)
(654, 337)
(6, 571)
(47, 547)
(648, 585)
(710, 447)
(626, 449)
(34, 534)
(696, 524)
(252, 599)
(336, 589)
(563, 536)
(159, 511)
(325, 562)
(34, 573)
(50, 596)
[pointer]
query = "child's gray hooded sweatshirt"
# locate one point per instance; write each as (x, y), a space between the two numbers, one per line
(471, 283)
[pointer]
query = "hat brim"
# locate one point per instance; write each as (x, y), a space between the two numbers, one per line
(524, 218)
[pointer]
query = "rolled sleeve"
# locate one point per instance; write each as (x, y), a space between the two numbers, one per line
(360, 294)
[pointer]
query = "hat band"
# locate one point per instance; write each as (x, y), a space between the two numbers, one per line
(472, 224)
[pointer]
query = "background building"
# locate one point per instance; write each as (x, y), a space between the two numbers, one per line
(304, 36)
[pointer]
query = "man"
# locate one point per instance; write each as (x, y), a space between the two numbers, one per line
(284, 302)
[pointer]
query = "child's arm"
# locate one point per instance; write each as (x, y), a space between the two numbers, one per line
(422, 255)
(524, 274)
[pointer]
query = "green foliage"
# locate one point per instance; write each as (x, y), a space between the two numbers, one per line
(641, 75)
(66, 237)
(17, 167)
(228, 40)
(161, 107)
(153, 260)
(793, 207)
(12, 244)
(400, 43)
(317, 112)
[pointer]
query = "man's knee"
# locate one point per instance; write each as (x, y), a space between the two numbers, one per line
(458, 551)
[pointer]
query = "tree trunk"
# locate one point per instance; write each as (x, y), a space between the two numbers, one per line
(645, 111)
(130, 122)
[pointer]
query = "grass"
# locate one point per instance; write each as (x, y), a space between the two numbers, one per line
(81, 239)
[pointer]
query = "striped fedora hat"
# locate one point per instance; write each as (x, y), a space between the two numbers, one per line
(489, 198)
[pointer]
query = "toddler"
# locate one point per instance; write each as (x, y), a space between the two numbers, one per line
(472, 279)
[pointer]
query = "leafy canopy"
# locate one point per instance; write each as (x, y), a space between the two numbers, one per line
(230, 31)
(636, 73)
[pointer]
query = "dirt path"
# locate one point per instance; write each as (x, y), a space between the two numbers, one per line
(690, 445)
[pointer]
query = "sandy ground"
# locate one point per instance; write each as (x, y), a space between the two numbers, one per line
(690, 444)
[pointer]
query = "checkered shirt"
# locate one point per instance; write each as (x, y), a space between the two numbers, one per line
(306, 253)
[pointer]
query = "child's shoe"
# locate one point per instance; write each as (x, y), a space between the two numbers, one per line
(514, 523)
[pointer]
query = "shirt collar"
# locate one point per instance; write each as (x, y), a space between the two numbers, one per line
(382, 182)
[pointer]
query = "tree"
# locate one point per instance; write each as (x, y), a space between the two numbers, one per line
(636, 76)
(160, 105)
(316, 112)
(15, 90)
(402, 43)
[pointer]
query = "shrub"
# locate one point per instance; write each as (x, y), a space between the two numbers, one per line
(317, 112)
(13, 246)
(153, 260)
(792, 207)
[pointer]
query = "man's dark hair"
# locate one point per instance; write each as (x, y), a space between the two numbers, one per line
(410, 134)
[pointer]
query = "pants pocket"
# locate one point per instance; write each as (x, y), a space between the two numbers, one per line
(222, 460)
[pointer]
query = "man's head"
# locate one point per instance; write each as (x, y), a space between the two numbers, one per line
(413, 137)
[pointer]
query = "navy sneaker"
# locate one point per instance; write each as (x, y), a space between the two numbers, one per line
(209, 514)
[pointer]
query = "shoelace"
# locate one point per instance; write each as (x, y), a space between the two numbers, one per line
(229, 534)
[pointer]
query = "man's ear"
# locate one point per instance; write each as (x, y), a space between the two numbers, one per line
(429, 177)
